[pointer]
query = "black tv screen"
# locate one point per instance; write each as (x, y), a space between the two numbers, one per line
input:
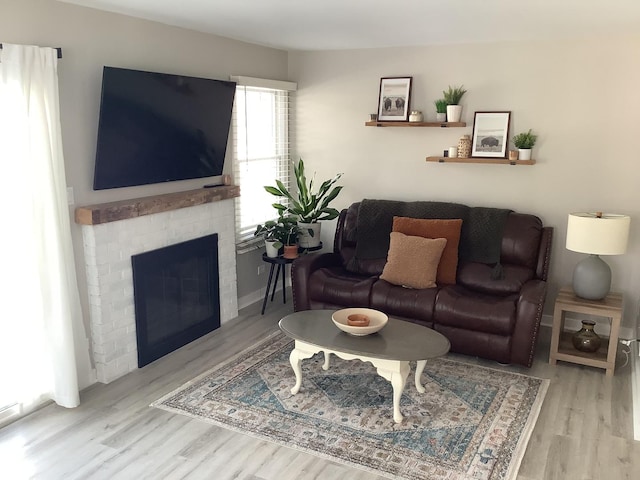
(156, 127)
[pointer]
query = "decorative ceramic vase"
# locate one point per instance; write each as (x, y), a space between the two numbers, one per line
(454, 112)
(464, 147)
(524, 154)
(586, 339)
(415, 116)
(290, 251)
(441, 117)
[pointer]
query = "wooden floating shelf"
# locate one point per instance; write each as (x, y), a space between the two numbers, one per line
(500, 161)
(416, 124)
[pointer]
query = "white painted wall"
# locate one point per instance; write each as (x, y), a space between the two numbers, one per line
(91, 39)
(582, 97)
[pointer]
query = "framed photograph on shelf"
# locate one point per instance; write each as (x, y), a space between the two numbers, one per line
(394, 99)
(490, 134)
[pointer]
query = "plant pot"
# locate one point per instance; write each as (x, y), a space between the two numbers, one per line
(441, 117)
(454, 112)
(290, 251)
(524, 154)
(305, 239)
(272, 251)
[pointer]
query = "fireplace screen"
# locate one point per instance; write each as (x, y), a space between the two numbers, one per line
(176, 295)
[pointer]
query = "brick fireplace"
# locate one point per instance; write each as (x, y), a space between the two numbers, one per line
(113, 232)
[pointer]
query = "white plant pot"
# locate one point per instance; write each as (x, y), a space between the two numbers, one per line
(454, 113)
(272, 252)
(305, 240)
(441, 117)
(524, 154)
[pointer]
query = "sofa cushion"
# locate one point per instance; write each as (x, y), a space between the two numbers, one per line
(413, 261)
(460, 307)
(412, 303)
(430, 228)
(477, 277)
(335, 286)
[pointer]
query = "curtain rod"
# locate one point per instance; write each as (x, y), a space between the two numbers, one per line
(58, 49)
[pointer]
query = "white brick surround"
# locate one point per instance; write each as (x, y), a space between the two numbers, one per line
(108, 248)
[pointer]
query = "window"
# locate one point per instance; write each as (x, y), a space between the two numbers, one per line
(260, 152)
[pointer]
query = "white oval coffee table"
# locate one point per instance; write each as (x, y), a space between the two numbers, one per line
(390, 350)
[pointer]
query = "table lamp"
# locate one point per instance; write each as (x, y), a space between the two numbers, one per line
(595, 234)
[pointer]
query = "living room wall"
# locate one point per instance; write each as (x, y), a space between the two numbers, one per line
(580, 96)
(90, 39)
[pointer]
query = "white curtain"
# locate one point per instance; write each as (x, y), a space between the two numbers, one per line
(39, 300)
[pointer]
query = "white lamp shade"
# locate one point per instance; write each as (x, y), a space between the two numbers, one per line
(605, 235)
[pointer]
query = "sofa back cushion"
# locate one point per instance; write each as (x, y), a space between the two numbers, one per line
(345, 244)
(520, 247)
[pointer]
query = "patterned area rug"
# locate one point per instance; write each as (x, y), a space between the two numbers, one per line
(472, 422)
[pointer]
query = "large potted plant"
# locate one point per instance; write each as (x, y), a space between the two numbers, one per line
(524, 142)
(453, 96)
(309, 206)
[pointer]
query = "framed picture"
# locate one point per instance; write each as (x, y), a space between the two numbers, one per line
(490, 134)
(395, 96)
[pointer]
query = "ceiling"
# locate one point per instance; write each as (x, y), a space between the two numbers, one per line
(347, 24)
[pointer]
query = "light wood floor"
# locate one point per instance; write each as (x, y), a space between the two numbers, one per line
(584, 430)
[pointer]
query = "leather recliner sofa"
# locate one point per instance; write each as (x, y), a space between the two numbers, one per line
(497, 319)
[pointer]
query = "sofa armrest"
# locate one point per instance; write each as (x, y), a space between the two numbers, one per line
(302, 269)
(528, 316)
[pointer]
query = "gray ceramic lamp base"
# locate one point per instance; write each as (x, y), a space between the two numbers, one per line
(592, 278)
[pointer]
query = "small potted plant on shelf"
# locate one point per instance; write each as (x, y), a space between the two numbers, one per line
(453, 96)
(308, 206)
(524, 142)
(441, 110)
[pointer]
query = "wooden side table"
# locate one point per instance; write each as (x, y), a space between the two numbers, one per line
(561, 346)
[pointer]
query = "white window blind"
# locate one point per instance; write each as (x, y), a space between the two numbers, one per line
(260, 152)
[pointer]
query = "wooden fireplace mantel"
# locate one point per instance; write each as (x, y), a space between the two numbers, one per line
(138, 207)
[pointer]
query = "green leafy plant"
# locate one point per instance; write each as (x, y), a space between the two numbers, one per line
(441, 105)
(525, 140)
(283, 231)
(454, 94)
(308, 206)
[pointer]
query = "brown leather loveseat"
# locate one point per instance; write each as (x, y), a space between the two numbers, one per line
(482, 314)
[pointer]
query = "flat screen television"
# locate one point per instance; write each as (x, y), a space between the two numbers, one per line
(157, 127)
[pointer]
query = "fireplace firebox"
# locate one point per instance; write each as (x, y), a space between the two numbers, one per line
(176, 296)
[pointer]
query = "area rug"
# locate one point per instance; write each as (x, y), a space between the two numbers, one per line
(471, 423)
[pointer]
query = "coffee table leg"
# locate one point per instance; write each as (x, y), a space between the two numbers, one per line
(419, 369)
(396, 372)
(295, 358)
(325, 365)
(398, 381)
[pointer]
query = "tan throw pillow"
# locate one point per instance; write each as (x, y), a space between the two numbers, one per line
(413, 261)
(432, 228)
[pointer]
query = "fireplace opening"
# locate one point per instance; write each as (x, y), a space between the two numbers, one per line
(176, 295)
